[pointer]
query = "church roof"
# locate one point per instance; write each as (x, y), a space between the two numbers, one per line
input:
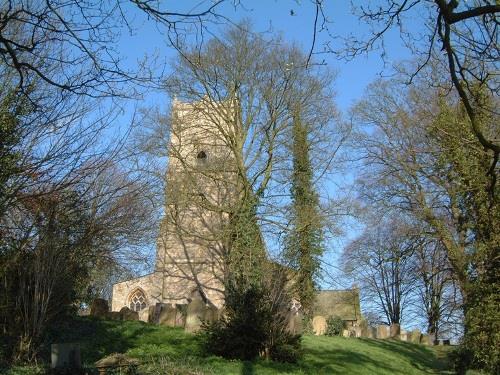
(342, 303)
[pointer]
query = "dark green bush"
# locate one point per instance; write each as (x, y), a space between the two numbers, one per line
(334, 326)
(253, 325)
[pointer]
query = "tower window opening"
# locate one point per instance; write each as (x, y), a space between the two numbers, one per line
(202, 156)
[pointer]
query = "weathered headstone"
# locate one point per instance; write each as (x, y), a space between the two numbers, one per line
(395, 330)
(180, 316)
(372, 332)
(128, 314)
(114, 315)
(152, 314)
(319, 325)
(194, 315)
(403, 336)
(144, 315)
(432, 339)
(167, 315)
(363, 325)
(424, 339)
(346, 333)
(294, 320)
(211, 313)
(415, 336)
(99, 308)
(357, 331)
(383, 331)
(65, 356)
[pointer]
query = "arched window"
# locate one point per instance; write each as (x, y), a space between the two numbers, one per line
(137, 300)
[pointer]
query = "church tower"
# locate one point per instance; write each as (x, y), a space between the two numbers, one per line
(200, 185)
(191, 247)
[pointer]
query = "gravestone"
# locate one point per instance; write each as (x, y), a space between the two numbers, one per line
(128, 314)
(395, 330)
(357, 331)
(114, 315)
(144, 315)
(65, 356)
(167, 315)
(294, 320)
(319, 325)
(403, 336)
(415, 336)
(424, 339)
(383, 331)
(151, 314)
(372, 332)
(432, 339)
(180, 316)
(211, 313)
(194, 315)
(363, 325)
(99, 308)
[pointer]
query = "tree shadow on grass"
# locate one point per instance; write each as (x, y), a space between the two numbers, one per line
(408, 358)
(97, 338)
(420, 357)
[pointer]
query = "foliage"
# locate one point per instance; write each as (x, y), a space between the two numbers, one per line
(304, 246)
(445, 180)
(252, 325)
(161, 349)
(334, 326)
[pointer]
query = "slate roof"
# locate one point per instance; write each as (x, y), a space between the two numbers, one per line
(342, 303)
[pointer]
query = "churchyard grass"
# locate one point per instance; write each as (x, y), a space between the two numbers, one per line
(164, 350)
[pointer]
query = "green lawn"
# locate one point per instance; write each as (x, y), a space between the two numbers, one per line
(166, 350)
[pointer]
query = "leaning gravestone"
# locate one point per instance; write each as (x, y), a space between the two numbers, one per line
(128, 314)
(99, 308)
(194, 315)
(65, 356)
(319, 325)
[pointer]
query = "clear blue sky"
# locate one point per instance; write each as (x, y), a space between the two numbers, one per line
(275, 15)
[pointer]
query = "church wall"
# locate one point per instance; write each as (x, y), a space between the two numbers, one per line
(149, 284)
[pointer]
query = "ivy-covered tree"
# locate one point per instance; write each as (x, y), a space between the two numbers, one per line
(305, 242)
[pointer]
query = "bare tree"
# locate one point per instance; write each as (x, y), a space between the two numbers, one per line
(380, 261)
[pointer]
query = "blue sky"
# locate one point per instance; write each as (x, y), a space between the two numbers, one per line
(275, 15)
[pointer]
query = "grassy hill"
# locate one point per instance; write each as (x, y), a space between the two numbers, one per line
(164, 350)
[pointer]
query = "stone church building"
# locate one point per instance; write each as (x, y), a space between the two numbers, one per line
(190, 246)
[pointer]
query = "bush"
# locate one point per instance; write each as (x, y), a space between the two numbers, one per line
(334, 326)
(253, 325)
